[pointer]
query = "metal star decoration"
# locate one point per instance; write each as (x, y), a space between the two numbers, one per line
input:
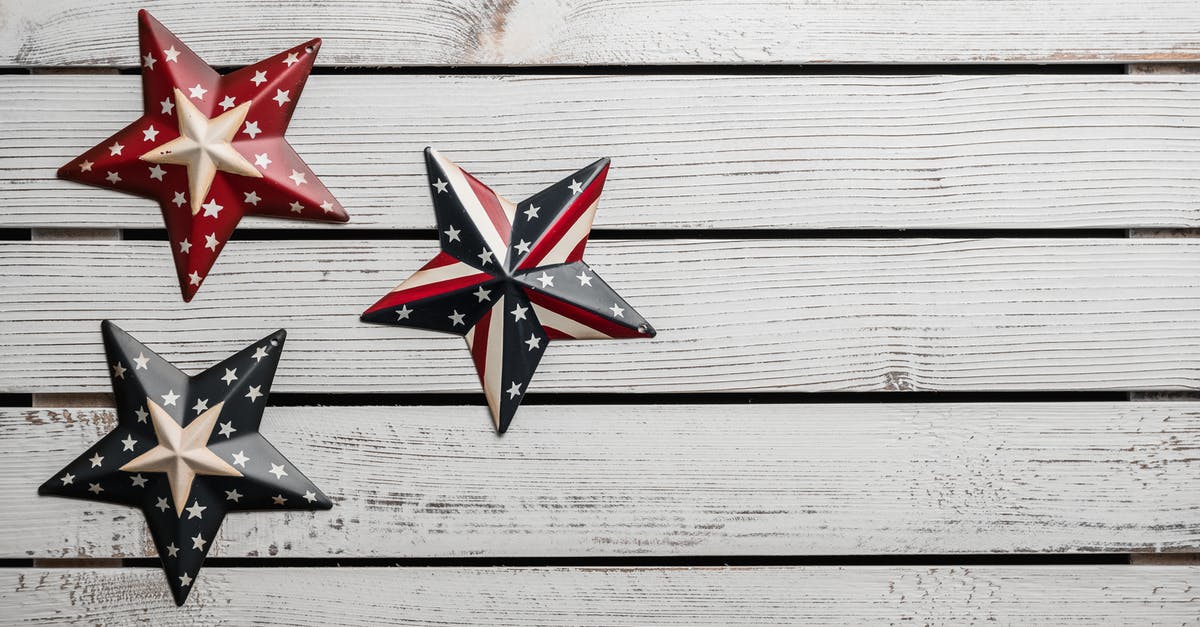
(187, 450)
(510, 278)
(210, 148)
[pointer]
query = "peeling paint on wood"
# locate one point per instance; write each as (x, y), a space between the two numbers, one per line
(733, 315)
(688, 480)
(753, 152)
(813, 595)
(586, 32)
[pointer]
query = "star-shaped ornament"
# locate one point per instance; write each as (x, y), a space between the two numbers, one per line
(210, 148)
(186, 450)
(510, 278)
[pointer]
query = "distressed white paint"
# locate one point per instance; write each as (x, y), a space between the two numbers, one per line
(432, 32)
(758, 152)
(814, 595)
(740, 315)
(686, 480)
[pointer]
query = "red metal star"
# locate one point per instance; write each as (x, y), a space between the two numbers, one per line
(210, 148)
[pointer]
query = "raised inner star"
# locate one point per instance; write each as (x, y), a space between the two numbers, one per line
(182, 452)
(204, 145)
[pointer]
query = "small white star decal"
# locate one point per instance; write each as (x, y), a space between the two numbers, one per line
(86, 166)
(68, 479)
(485, 256)
(576, 187)
(327, 206)
(168, 107)
(198, 542)
(278, 499)
(278, 471)
(138, 481)
(232, 495)
(211, 208)
(156, 172)
(113, 178)
(163, 506)
(128, 443)
(118, 371)
(201, 405)
(534, 342)
(251, 129)
(185, 580)
(259, 353)
(171, 54)
(617, 311)
(227, 429)
(452, 234)
(482, 294)
(142, 414)
(240, 459)
(522, 247)
(259, 78)
(211, 242)
(150, 134)
(227, 103)
(584, 279)
(148, 61)
(96, 460)
(172, 550)
(291, 58)
(196, 510)
(197, 92)
(297, 178)
(546, 280)
(532, 212)
(310, 496)
(179, 199)
(169, 398)
(95, 488)
(141, 361)
(194, 278)
(230, 376)
(514, 390)
(403, 312)
(252, 198)
(456, 318)
(262, 160)
(519, 312)
(281, 96)
(253, 394)
(440, 185)
(296, 207)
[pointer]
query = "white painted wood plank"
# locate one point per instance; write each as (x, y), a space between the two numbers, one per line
(429, 32)
(795, 595)
(803, 479)
(756, 152)
(740, 315)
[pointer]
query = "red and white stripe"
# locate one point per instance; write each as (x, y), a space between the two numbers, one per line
(562, 320)
(489, 212)
(565, 240)
(442, 275)
(486, 342)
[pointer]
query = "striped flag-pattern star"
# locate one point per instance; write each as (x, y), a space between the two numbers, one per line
(510, 278)
(186, 450)
(210, 148)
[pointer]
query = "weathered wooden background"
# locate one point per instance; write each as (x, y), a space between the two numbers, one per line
(770, 160)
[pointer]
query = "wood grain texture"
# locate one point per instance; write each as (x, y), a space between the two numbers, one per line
(668, 480)
(752, 152)
(993, 595)
(586, 32)
(738, 315)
